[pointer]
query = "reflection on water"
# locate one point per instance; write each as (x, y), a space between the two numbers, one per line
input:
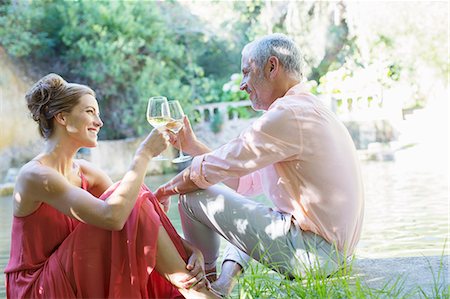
(406, 212)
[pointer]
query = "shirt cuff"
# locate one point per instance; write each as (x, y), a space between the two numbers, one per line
(196, 174)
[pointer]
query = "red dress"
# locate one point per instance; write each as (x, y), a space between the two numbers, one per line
(56, 256)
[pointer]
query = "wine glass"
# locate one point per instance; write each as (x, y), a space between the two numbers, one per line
(175, 125)
(158, 115)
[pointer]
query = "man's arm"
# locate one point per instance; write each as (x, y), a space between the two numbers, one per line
(193, 147)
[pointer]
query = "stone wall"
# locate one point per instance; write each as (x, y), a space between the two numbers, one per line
(229, 130)
(16, 126)
(18, 132)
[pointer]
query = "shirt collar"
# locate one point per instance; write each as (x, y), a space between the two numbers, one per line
(296, 89)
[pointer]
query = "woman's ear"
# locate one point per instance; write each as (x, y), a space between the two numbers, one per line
(61, 118)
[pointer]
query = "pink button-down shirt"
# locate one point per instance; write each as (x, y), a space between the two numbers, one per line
(301, 157)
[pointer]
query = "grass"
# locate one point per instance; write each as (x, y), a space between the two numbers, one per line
(439, 290)
(261, 282)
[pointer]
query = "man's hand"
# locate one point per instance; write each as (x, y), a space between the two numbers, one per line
(191, 145)
(180, 184)
(164, 201)
(163, 197)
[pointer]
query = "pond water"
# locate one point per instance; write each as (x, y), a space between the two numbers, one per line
(406, 211)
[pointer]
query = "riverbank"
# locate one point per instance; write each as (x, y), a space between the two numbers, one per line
(393, 278)
(6, 189)
(413, 277)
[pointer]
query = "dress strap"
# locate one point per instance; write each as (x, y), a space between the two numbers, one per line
(84, 181)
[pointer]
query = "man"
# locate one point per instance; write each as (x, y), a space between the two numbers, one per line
(297, 153)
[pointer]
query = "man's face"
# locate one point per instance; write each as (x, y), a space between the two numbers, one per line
(255, 84)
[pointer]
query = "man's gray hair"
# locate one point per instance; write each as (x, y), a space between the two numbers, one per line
(278, 45)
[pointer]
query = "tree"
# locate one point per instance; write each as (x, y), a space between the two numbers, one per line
(126, 51)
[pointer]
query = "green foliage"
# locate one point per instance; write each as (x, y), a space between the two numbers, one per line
(231, 91)
(249, 25)
(126, 50)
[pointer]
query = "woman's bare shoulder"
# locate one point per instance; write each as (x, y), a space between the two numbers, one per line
(32, 170)
(32, 184)
(34, 174)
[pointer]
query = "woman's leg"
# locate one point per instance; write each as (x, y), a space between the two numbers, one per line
(170, 265)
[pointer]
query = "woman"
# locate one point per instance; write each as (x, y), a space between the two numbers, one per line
(74, 232)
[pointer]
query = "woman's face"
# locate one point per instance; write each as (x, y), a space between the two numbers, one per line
(83, 123)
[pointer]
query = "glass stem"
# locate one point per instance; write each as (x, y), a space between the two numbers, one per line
(181, 151)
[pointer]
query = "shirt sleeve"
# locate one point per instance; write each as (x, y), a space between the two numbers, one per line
(250, 184)
(274, 137)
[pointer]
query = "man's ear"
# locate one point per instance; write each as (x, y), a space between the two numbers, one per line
(61, 118)
(273, 66)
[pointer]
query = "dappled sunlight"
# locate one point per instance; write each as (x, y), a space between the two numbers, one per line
(241, 225)
(46, 184)
(215, 206)
(72, 129)
(273, 231)
(251, 143)
(17, 197)
(248, 206)
(251, 164)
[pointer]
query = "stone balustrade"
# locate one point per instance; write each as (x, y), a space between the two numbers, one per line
(205, 113)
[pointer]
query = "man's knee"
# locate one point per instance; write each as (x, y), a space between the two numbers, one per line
(190, 204)
(185, 201)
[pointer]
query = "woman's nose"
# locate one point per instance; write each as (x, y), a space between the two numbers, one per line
(99, 122)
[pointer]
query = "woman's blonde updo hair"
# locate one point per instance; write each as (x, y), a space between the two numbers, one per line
(50, 96)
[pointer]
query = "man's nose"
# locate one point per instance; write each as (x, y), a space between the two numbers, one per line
(243, 85)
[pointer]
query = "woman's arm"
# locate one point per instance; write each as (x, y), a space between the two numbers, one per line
(38, 183)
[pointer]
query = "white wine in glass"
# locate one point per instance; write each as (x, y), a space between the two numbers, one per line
(175, 125)
(158, 115)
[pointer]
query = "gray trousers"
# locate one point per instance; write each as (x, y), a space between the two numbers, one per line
(253, 230)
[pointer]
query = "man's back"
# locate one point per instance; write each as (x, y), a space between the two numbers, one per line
(315, 175)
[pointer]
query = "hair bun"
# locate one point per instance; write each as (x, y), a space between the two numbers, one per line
(40, 94)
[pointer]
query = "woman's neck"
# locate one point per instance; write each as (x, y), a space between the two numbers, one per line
(59, 156)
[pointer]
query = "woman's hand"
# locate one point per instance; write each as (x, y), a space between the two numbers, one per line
(196, 267)
(155, 142)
